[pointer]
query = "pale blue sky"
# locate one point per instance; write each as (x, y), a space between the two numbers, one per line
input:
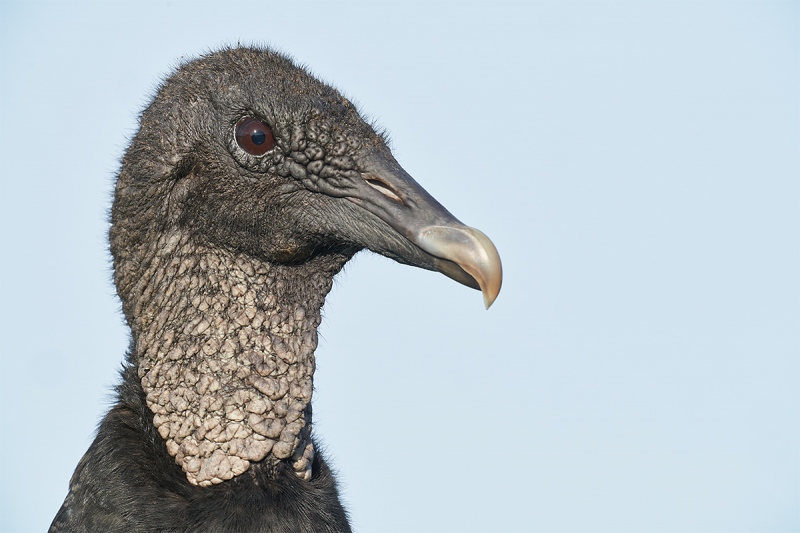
(637, 164)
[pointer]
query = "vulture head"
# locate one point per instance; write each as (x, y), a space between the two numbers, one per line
(246, 189)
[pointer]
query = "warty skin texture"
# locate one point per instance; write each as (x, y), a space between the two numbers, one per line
(222, 261)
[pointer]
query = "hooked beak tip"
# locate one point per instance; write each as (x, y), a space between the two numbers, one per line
(471, 250)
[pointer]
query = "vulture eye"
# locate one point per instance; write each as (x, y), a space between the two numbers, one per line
(253, 136)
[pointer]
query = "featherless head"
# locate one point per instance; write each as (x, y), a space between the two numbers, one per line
(244, 150)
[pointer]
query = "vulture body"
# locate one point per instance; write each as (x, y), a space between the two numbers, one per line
(247, 188)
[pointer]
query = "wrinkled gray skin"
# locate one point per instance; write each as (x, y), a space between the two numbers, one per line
(222, 261)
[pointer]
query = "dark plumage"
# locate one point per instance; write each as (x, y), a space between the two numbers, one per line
(246, 189)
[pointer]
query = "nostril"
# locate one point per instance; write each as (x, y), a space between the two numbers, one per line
(383, 188)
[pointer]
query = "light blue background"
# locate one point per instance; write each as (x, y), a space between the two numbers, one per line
(637, 164)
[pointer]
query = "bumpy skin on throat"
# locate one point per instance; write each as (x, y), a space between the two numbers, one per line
(225, 349)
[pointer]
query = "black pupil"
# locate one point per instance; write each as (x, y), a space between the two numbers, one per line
(258, 138)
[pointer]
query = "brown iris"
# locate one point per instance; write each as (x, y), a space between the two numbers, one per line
(253, 136)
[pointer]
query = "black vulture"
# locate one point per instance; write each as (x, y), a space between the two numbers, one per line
(246, 189)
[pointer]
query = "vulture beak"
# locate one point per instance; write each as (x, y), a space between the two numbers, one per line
(458, 251)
